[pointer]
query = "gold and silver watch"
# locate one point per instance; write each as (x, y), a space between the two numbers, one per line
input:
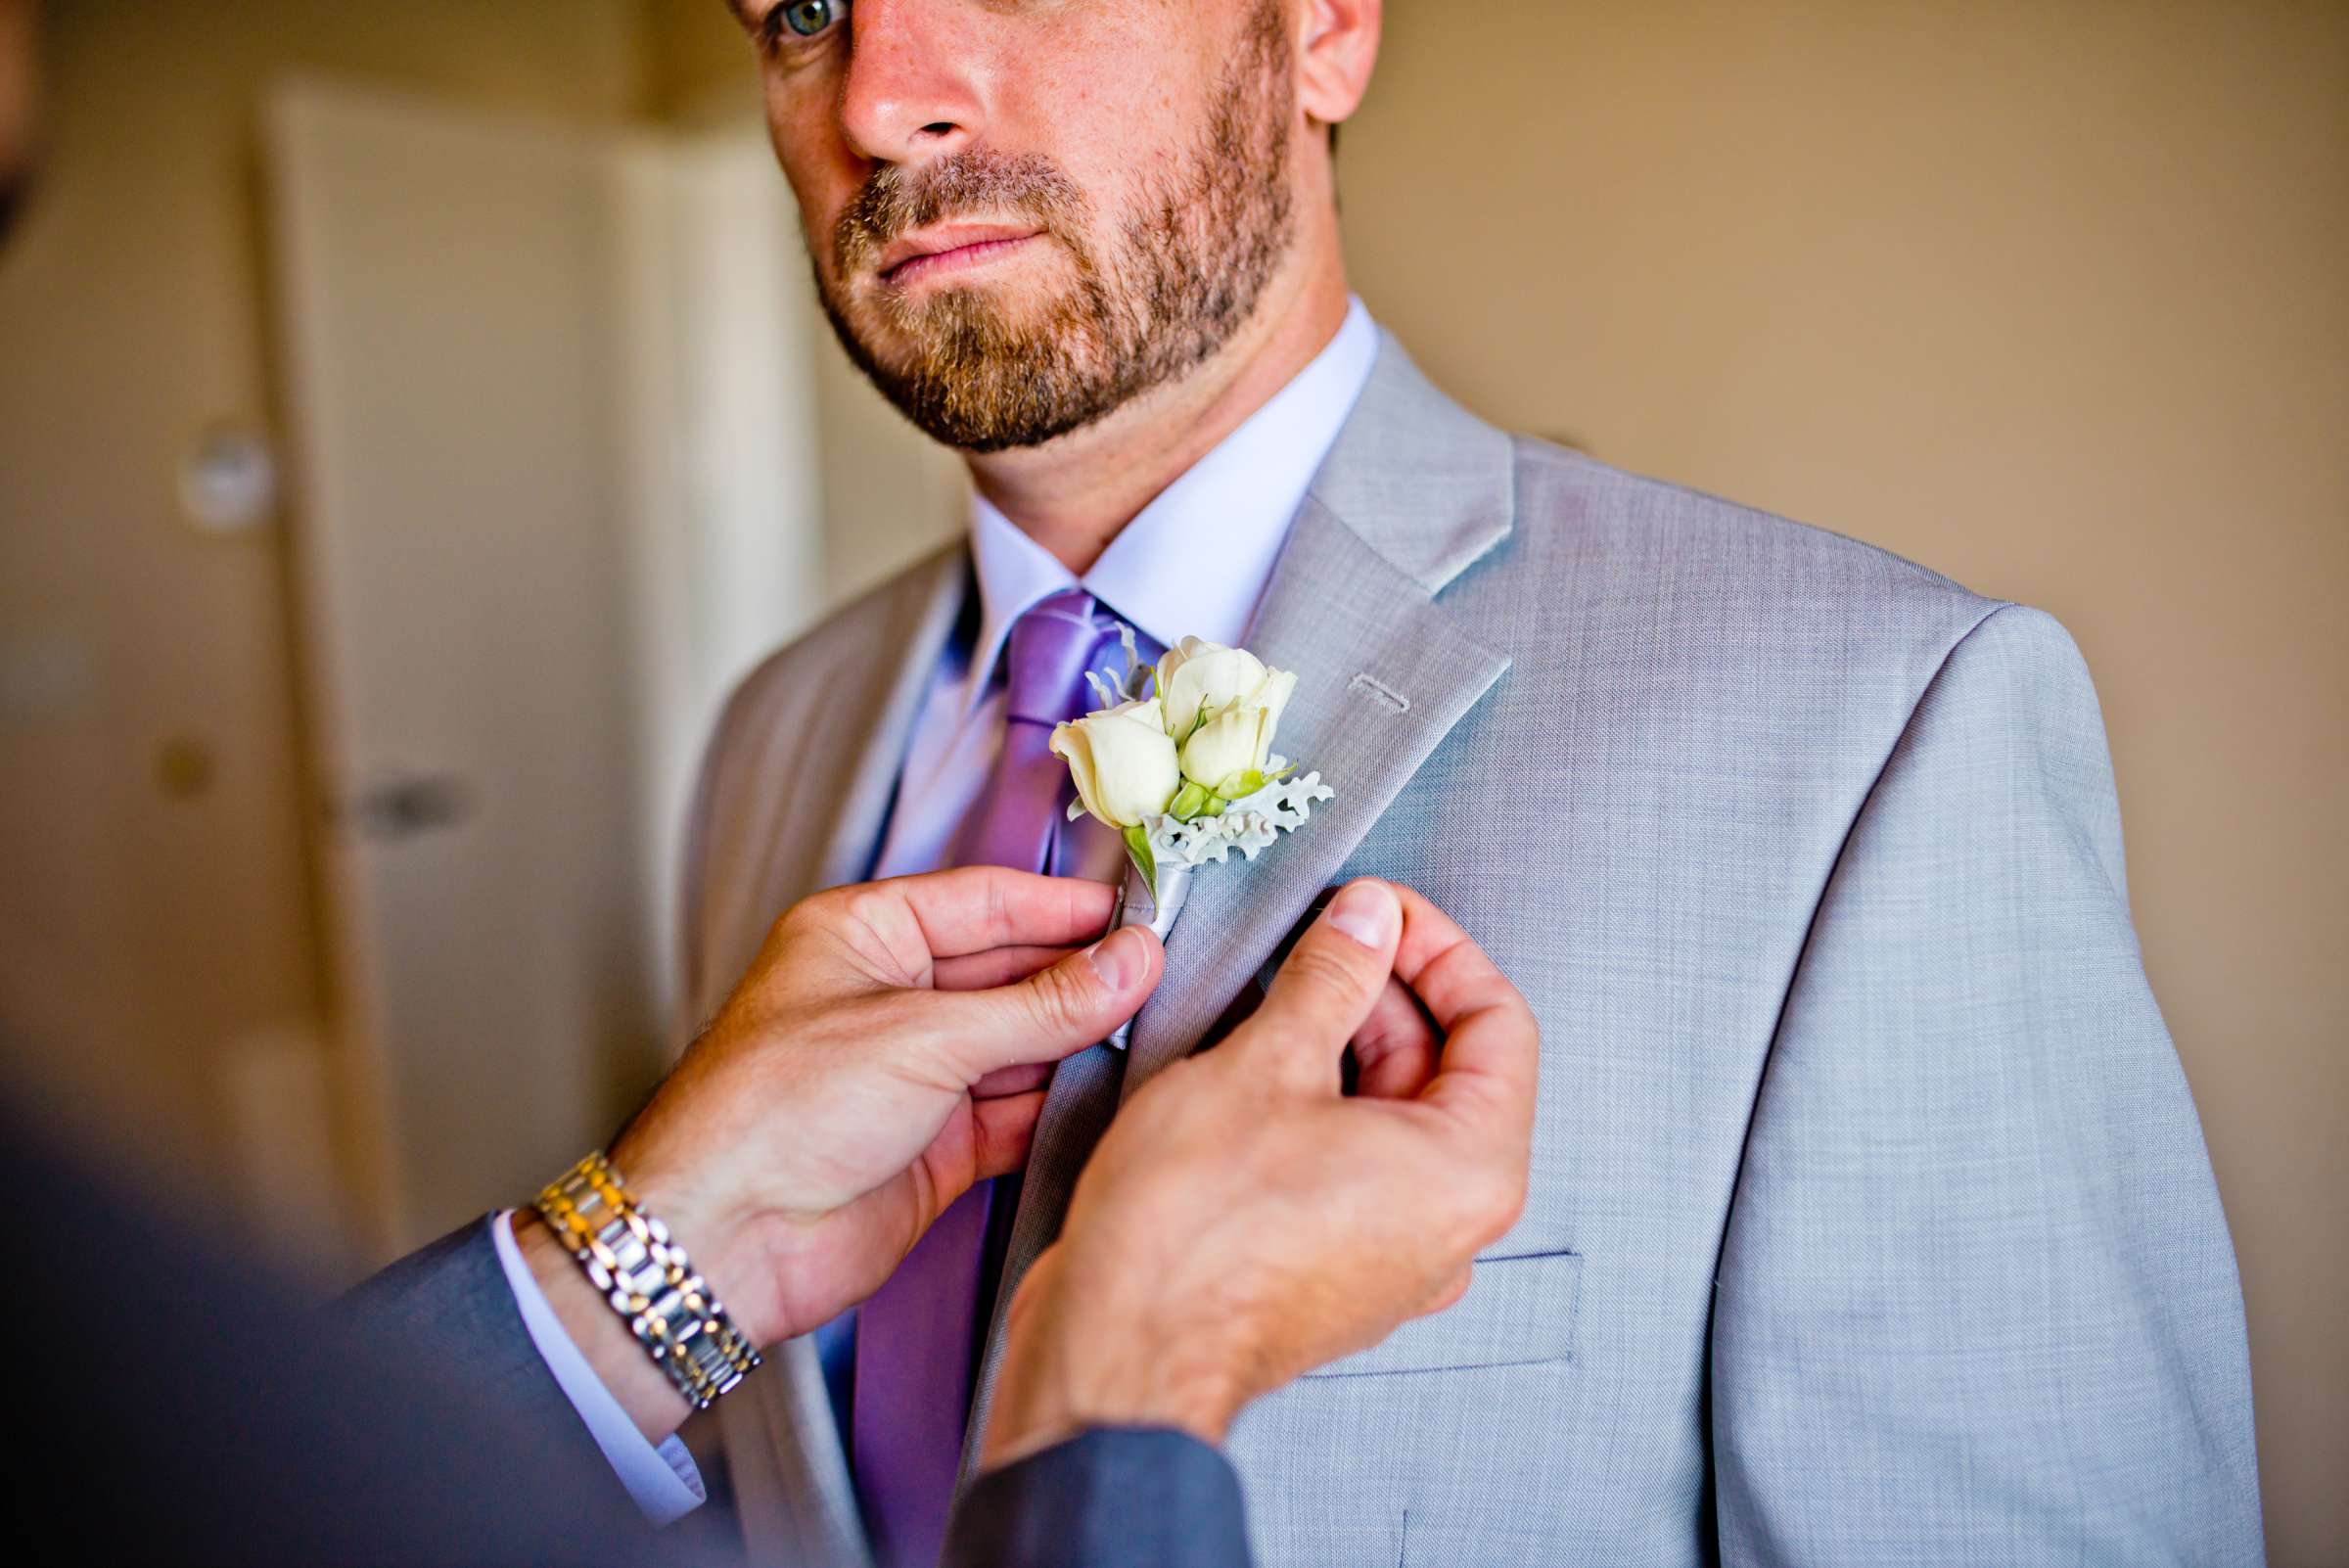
(649, 1282)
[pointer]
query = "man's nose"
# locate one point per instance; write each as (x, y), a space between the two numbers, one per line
(914, 85)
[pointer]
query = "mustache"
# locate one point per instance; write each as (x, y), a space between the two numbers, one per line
(895, 199)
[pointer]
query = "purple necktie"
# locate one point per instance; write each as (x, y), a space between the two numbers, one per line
(915, 1338)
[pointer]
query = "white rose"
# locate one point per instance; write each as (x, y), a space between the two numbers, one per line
(1222, 707)
(1195, 676)
(1199, 680)
(1122, 760)
(1229, 747)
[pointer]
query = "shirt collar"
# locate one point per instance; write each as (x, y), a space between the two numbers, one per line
(1195, 561)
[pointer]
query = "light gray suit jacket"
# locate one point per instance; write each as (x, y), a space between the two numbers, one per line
(1871, 1221)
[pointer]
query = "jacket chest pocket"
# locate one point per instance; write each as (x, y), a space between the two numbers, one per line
(1519, 1311)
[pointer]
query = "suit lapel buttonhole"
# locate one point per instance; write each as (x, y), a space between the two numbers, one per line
(1381, 692)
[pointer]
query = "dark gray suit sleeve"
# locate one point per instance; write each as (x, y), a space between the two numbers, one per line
(446, 1313)
(449, 1303)
(203, 1409)
(1132, 1496)
(1977, 1300)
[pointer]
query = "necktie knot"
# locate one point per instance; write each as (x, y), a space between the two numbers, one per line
(1017, 818)
(1050, 648)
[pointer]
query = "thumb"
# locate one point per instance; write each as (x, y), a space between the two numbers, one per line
(1328, 985)
(1058, 1010)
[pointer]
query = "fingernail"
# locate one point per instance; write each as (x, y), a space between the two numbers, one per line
(1365, 911)
(1118, 958)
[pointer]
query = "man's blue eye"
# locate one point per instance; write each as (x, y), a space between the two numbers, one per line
(807, 17)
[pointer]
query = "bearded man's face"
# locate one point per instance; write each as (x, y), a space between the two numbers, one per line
(1023, 216)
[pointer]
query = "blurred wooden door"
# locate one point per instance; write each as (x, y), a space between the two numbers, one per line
(447, 291)
(554, 417)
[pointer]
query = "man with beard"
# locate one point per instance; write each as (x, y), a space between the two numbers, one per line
(1871, 1218)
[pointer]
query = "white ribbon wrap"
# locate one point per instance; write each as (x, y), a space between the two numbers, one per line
(1136, 906)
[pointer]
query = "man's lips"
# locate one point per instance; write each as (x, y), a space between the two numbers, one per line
(947, 249)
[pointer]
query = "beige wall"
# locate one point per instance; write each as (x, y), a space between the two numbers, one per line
(696, 55)
(143, 936)
(2053, 299)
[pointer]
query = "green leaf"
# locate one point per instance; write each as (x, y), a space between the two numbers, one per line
(1240, 786)
(1189, 803)
(1137, 845)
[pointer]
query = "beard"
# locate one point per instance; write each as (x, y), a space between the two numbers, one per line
(1180, 276)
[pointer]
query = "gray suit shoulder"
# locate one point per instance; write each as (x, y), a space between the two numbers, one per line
(1701, 594)
(849, 642)
(847, 663)
(1740, 558)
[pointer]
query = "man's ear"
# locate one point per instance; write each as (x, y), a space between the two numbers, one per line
(1335, 53)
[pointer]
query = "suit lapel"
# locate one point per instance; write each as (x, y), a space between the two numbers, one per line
(1383, 676)
(1414, 493)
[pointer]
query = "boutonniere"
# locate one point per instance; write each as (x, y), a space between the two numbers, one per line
(1179, 760)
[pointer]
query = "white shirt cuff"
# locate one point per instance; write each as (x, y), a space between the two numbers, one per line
(664, 1482)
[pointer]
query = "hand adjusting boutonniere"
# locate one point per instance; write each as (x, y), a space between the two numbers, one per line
(1178, 759)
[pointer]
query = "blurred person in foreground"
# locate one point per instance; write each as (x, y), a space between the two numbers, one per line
(1871, 1216)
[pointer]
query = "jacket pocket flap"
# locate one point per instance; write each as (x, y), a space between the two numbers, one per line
(1519, 1309)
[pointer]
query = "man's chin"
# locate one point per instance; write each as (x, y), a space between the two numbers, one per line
(921, 319)
(965, 327)
(986, 367)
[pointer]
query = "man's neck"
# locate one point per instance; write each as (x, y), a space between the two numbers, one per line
(1075, 494)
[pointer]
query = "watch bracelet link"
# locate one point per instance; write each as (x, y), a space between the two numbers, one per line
(648, 1280)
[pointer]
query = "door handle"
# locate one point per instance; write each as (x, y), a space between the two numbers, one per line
(406, 805)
